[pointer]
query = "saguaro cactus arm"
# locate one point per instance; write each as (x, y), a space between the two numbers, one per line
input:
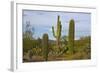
(54, 34)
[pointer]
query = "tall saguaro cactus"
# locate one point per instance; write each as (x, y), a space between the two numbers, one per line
(71, 36)
(57, 32)
(45, 46)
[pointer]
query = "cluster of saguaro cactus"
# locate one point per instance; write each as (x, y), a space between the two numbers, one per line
(45, 45)
(57, 32)
(71, 36)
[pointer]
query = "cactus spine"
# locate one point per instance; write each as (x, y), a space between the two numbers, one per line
(57, 33)
(45, 46)
(71, 36)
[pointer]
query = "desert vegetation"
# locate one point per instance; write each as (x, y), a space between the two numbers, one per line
(63, 48)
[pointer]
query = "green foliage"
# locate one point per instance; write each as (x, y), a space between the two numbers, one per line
(27, 44)
(39, 41)
(64, 41)
(83, 45)
(45, 45)
(71, 36)
(63, 48)
(57, 33)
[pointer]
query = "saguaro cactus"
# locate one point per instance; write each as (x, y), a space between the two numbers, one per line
(57, 33)
(45, 46)
(71, 36)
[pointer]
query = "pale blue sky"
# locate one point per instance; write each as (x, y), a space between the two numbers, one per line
(42, 21)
